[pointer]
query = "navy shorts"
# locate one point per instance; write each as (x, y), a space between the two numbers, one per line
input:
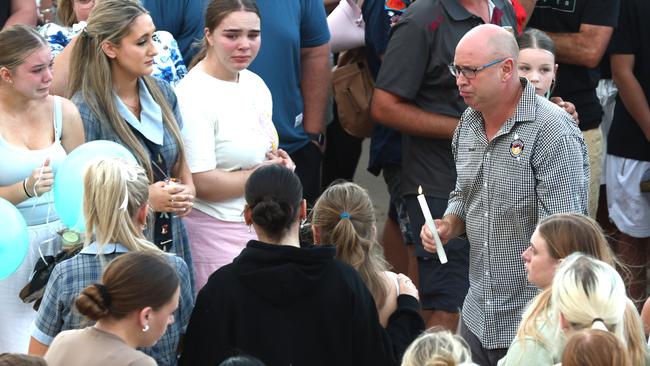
(442, 286)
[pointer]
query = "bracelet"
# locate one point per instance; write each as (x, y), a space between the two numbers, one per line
(25, 188)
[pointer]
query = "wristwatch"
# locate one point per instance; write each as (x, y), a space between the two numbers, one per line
(318, 138)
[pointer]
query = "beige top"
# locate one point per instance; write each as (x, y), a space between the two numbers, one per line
(91, 346)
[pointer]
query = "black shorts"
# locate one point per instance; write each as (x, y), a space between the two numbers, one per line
(442, 286)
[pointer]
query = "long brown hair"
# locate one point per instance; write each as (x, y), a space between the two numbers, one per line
(65, 13)
(90, 74)
(216, 11)
(130, 283)
(564, 234)
(346, 219)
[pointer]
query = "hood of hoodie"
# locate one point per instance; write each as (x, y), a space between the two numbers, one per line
(280, 273)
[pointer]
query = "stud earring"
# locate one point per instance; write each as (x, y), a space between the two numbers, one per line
(146, 328)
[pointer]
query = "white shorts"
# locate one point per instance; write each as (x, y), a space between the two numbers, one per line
(629, 208)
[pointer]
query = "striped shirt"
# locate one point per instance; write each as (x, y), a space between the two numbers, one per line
(536, 165)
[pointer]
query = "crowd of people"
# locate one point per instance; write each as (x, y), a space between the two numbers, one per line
(221, 243)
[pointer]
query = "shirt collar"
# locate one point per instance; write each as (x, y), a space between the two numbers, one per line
(107, 248)
(150, 124)
(458, 12)
(525, 111)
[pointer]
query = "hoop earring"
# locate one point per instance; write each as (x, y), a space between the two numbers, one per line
(146, 328)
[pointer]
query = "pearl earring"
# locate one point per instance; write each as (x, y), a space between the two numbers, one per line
(146, 328)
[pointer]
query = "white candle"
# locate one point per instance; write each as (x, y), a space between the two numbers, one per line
(432, 226)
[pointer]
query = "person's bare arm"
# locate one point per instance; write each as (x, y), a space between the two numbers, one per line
(22, 12)
(585, 47)
(218, 185)
(630, 91)
(330, 5)
(315, 81)
(36, 348)
(394, 111)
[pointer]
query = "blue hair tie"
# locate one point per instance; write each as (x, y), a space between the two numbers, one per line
(344, 215)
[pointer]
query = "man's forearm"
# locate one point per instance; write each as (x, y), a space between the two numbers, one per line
(315, 82)
(584, 48)
(633, 98)
(404, 116)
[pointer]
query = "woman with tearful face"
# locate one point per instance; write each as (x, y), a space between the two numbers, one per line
(37, 131)
(228, 132)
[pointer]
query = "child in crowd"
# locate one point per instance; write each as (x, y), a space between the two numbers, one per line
(537, 64)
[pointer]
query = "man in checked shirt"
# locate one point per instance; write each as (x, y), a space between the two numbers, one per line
(519, 158)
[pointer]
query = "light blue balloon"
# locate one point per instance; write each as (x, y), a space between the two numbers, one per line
(14, 240)
(68, 181)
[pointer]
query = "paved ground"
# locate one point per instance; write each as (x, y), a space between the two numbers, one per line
(375, 186)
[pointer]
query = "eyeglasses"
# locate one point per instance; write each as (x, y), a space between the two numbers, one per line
(470, 73)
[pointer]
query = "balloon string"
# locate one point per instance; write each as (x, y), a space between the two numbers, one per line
(49, 211)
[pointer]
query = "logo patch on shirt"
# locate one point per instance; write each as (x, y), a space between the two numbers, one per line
(516, 148)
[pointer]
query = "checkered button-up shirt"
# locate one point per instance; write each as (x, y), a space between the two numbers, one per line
(57, 312)
(536, 165)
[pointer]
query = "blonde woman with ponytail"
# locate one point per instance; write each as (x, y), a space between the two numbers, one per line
(115, 208)
(555, 238)
(119, 101)
(590, 294)
(344, 217)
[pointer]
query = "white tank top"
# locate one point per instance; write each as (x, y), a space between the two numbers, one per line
(17, 164)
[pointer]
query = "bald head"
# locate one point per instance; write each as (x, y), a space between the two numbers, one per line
(489, 41)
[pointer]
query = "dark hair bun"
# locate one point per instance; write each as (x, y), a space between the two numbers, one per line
(91, 303)
(272, 216)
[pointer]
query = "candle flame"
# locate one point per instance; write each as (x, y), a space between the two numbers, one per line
(419, 189)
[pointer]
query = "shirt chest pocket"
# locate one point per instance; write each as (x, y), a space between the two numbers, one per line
(511, 177)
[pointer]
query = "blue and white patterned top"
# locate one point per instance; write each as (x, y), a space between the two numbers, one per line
(70, 277)
(168, 64)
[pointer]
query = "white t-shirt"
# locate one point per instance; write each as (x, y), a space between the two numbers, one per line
(227, 126)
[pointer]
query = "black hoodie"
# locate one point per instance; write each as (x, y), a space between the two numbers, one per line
(292, 306)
